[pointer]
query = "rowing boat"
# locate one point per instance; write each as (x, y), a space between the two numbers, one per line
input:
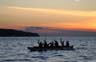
(36, 48)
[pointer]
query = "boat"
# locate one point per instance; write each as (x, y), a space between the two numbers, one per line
(36, 48)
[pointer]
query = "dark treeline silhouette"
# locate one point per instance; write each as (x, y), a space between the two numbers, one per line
(16, 33)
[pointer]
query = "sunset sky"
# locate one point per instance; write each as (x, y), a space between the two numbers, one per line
(63, 14)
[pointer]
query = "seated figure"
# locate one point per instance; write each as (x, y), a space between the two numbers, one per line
(62, 43)
(45, 44)
(51, 44)
(56, 43)
(67, 44)
(40, 44)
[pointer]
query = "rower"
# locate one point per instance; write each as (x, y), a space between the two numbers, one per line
(51, 44)
(45, 44)
(56, 43)
(62, 42)
(40, 44)
(67, 44)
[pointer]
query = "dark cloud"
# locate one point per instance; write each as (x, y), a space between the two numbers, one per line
(34, 28)
(46, 31)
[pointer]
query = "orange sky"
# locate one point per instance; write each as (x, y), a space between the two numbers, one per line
(20, 17)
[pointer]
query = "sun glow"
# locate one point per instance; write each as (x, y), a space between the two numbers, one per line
(76, 0)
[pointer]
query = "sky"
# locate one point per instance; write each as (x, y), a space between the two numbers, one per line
(63, 14)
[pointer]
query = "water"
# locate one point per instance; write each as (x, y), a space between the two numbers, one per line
(14, 49)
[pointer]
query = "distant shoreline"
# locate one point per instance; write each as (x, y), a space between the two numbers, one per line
(16, 33)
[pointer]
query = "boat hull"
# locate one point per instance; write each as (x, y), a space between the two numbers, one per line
(50, 48)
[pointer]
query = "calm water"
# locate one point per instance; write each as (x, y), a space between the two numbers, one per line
(15, 50)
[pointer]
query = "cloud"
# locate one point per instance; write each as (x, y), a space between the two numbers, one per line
(48, 17)
(47, 31)
(40, 29)
(61, 12)
(84, 5)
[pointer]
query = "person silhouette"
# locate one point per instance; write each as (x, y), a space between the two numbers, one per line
(40, 44)
(51, 44)
(67, 44)
(56, 43)
(45, 44)
(62, 43)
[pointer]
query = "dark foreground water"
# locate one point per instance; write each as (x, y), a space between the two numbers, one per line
(14, 49)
